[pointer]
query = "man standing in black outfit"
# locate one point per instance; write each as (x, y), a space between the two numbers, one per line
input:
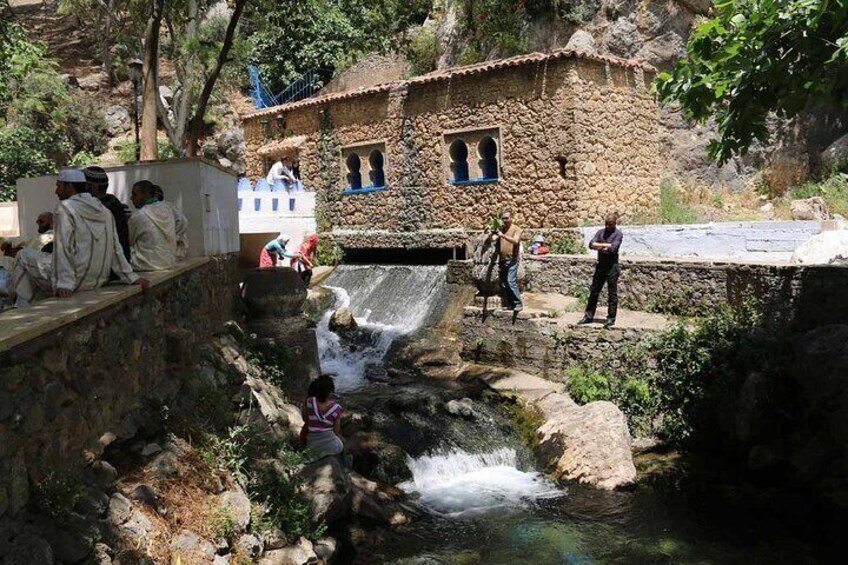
(606, 242)
(98, 184)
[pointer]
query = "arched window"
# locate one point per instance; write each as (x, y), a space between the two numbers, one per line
(354, 176)
(488, 151)
(377, 175)
(459, 160)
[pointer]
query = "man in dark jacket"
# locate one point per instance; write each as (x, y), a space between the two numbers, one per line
(98, 184)
(606, 242)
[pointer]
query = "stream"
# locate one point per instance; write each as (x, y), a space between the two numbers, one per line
(484, 497)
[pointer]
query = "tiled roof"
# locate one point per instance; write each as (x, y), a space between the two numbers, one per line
(285, 146)
(446, 74)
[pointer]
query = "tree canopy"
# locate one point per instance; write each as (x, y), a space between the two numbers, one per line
(758, 57)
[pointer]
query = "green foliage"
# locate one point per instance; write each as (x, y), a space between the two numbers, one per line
(58, 493)
(126, 150)
(228, 452)
(329, 253)
(570, 246)
(423, 51)
(834, 190)
(587, 385)
(494, 25)
(673, 206)
(526, 420)
(285, 506)
(23, 153)
(269, 358)
(225, 524)
(289, 38)
(755, 58)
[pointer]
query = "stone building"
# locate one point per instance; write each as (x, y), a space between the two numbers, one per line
(559, 138)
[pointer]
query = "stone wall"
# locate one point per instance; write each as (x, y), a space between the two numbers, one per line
(541, 346)
(576, 137)
(804, 296)
(104, 376)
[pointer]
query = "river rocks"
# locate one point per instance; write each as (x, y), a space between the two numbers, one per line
(327, 484)
(376, 457)
(826, 248)
(813, 208)
(189, 544)
(462, 407)
(382, 503)
(302, 553)
(342, 321)
(267, 410)
(236, 504)
(589, 444)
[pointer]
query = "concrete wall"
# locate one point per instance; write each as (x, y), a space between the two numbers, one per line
(100, 363)
(744, 241)
(9, 226)
(205, 193)
(576, 137)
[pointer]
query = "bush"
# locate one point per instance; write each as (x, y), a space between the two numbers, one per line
(23, 153)
(126, 151)
(423, 51)
(834, 190)
(674, 209)
(587, 385)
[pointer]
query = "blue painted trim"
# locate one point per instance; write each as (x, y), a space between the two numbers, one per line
(472, 182)
(365, 189)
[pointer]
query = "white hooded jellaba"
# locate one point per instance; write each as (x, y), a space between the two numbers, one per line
(153, 238)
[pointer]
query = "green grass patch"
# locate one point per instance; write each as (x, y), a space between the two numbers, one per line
(674, 208)
(834, 191)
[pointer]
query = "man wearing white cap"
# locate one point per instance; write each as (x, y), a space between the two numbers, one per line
(85, 248)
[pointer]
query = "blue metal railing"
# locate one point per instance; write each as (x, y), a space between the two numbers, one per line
(306, 85)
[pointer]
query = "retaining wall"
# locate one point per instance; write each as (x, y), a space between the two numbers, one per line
(79, 373)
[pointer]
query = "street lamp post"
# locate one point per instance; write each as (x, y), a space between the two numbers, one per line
(135, 74)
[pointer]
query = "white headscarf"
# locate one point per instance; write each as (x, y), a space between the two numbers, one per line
(283, 239)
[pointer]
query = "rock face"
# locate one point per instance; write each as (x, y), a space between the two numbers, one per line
(835, 157)
(809, 209)
(327, 484)
(582, 41)
(590, 444)
(826, 248)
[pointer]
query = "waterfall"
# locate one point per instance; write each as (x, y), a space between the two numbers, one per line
(457, 483)
(387, 301)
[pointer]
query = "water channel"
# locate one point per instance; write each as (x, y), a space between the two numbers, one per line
(484, 497)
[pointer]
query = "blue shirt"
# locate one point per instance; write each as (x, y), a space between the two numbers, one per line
(275, 247)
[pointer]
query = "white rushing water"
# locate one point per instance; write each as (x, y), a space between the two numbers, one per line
(457, 483)
(387, 302)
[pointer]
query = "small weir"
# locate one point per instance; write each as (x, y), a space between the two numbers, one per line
(486, 501)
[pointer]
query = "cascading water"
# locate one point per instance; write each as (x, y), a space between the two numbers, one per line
(458, 483)
(387, 302)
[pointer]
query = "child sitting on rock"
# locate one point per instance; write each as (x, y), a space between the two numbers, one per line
(322, 418)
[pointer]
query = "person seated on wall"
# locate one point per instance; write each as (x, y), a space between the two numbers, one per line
(538, 246)
(85, 248)
(322, 417)
(274, 251)
(306, 262)
(180, 221)
(42, 242)
(153, 231)
(98, 184)
(280, 177)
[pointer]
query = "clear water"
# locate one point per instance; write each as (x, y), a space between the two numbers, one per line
(492, 507)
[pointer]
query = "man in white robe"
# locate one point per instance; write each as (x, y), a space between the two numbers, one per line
(180, 223)
(85, 248)
(153, 230)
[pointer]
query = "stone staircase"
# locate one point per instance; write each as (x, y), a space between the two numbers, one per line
(544, 338)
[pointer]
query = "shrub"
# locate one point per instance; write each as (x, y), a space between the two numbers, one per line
(58, 493)
(329, 253)
(587, 385)
(23, 153)
(834, 190)
(674, 209)
(285, 506)
(423, 51)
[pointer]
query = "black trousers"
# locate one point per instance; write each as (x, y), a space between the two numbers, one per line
(604, 274)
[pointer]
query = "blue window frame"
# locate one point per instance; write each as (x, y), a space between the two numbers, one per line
(376, 172)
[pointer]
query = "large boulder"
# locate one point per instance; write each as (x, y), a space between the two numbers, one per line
(663, 51)
(623, 38)
(276, 292)
(826, 248)
(268, 411)
(590, 444)
(327, 484)
(835, 157)
(813, 208)
(342, 321)
(383, 503)
(582, 41)
(301, 553)
(231, 144)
